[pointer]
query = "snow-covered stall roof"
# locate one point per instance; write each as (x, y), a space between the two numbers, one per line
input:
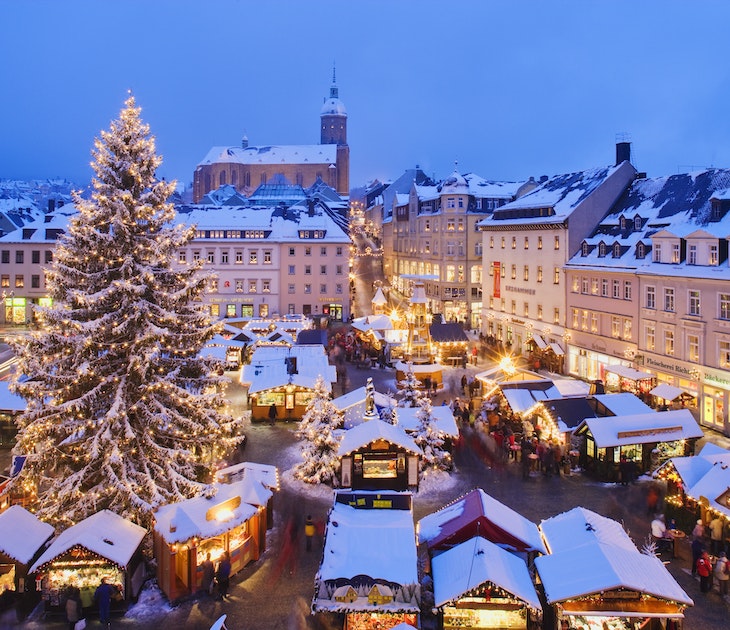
(269, 368)
(267, 474)
(10, 401)
(628, 373)
(478, 561)
(205, 517)
(622, 404)
(22, 534)
(104, 533)
(645, 428)
(418, 368)
(667, 392)
(378, 543)
(714, 486)
(611, 568)
(368, 432)
(581, 526)
(442, 414)
(352, 405)
(503, 522)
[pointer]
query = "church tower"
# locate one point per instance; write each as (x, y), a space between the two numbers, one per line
(333, 116)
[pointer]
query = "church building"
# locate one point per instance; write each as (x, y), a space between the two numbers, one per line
(247, 167)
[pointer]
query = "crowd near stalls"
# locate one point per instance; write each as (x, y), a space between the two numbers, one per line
(369, 568)
(698, 488)
(103, 546)
(281, 380)
(479, 553)
(188, 533)
(22, 539)
(594, 577)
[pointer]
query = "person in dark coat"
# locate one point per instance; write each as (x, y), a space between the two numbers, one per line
(272, 413)
(103, 597)
(206, 584)
(223, 575)
(73, 607)
(698, 548)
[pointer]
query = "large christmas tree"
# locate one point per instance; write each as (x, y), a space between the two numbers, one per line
(121, 413)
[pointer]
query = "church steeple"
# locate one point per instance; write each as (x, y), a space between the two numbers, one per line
(334, 92)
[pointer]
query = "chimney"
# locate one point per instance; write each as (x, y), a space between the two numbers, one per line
(51, 205)
(623, 152)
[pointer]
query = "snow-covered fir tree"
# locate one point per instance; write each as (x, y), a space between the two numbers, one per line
(429, 438)
(121, 413)
(410, 392)
(319, 443)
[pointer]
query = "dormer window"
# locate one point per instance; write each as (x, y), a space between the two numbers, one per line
(640, 250)
(601, 249)
(657, 248)
(622, 221)
(616, 250)
(637, 222)
(713, 258)
(584, 249)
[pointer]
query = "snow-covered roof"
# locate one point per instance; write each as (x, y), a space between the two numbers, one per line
(22, 534)
(470, 507)
(478, 561)
(268, 367)
(10, 401)
(623, 403)
(205, 517)
(645, 428)
(267, 474)
(442, 414)
(520, 400)
(418, 368)
(579, 527)
(667, 391)
(352, 405)
(611, 568)
(368, 432)
(273, 154)
(629, 373)
(379, 298)
(378, 543)
(105, 533)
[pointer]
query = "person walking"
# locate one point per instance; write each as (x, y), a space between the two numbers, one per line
(103, 598)
(73, 608)
(704, 570)
(272, 414)
(722, 573)
(716, 528)
(309, 531)
(223, 575)
(698, 548)
(206, 584)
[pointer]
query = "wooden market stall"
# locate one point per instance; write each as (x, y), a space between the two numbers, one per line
(477, 584)
(266, 476)
(104, 545)
(369, 568)
(646, 439)
(626, 379)
(624, 588)
(22, 539)
(376, 455)
(186, 532)
(431, 372)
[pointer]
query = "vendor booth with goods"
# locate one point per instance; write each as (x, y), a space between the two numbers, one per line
(186, 532)
(22, 539)
(369, 568)
(624, 588)
(102, 546)
(646, 439)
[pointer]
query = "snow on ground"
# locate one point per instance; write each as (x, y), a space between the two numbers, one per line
(150, 605)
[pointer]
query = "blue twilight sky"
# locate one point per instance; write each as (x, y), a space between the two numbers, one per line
(508, 89)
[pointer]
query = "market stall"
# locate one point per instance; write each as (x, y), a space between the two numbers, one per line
(104, 545)
(624, 589)
(369, 569)
(646, 439)
(22, 538)
(477, 584)
(626, 379)
(265, 474)
(186, 532)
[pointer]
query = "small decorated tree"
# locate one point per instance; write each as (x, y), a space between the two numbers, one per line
(316, 432)
(410, 392)
(429, 438)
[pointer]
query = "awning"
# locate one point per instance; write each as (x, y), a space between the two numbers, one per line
(539, 341)
(629, 373)
(556, 348)
(667, 392)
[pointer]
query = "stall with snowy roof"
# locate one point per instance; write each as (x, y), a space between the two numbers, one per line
(104, 545)
(477, 584)
(186, 532)
(285, 377)
(595, 577)
(646, 439)
(265, 474)
(23, 537)
(352, 405)
(376, 455)
(697, 487)
(478, 514)
(369, 570)
(443, 416)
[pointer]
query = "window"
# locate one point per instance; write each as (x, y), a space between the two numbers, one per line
(615, 326)
(539, 311)
(604, 287)
(266, 286)
(576, 284)
(292, 270)
(713, 257)
(724, 354)
(694, 303)
(627, 328)
(669, 300)
(239, 256)
(584, 320)
(323, 288)
(514, 272)
(213, 287)
(557, 242)
(539, 273)
(556, 316)
(35, 256)
(35, 281)
(637, 222)
(584, 249)
(292, 288)
(224, 258)
(503, 241)
(450, 202)
(460, 224)
(627, 290)
(307, 251)
(307, 288)
(450, 273)
(182, 256)
(539, 242)
(669, 343)
(267, 256)
(526, 309)
(239, 286)
(307, 270)
(5, 280)
(323, 270)
(601, 249)
(526, 273)
(594, 322)
(338, 250)
(527, 242)
(292, 251)
(450, 225)
(692, 255)
(649, 337)
(675, 252)
(253, 256)
(478, 249)
(19, 257)
(617, 250)
(576, 317)
(693, 348)
(48, 258)
(252, 286)
(657, 252)
(491, 242)
(514, 242)
(338, 270)
(338, 288)
(5, 256)
(210, 257)
(594, 286)
(724, 305)
(514, 307)
(584, 285)
(322, 251)
(616, 290)
(650, 297)
(19, 282)
(556, 275)
(640, 250)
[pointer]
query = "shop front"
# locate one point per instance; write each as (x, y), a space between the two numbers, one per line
(714, 406)
(185, 533)
(290, 402)
(103, 546)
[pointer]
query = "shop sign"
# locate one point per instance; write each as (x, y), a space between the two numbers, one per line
(642, 432)
(226, 506)
(515, 289)
(671, 367)
(719, 379)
